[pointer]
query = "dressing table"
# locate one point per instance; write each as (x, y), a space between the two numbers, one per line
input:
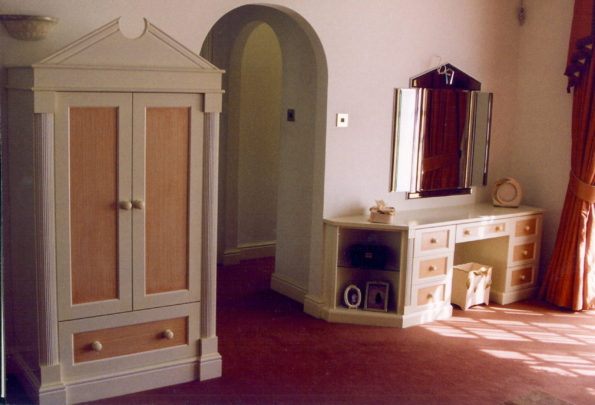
(422, 246)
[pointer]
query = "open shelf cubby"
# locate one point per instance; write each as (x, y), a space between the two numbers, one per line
(347, 274)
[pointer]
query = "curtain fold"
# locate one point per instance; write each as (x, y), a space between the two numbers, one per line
(570, 277)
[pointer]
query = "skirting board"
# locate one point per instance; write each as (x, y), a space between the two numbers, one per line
(513, 296)
(257, 250)
(143, 379)
(246, 252)
(288, 287)
(313, 306)
(361, 317)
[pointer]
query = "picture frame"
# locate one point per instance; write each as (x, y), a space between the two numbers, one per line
(352, 297)
(376, 296)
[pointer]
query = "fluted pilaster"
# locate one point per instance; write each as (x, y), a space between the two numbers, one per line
(209, 222)
(45, 239)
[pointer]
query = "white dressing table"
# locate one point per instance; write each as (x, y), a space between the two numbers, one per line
(423, 246)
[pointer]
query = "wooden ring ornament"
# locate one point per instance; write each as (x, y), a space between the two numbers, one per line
(350, 293)
(507, 193)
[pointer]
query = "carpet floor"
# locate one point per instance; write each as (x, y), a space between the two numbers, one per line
(524, 353)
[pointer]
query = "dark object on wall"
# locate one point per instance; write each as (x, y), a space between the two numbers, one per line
(368, 257)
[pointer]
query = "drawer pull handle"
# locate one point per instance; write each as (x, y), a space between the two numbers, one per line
(467, 232)
(498, 228)
(432, 268)
(125, 205)
(138, 204)
(430, 296)
(527, 228)
(522, 277)
(97, 346)
(525, 252)
(168, 334)
(434, 241)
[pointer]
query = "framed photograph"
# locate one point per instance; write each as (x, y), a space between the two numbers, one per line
(376, 296)
(352, 297)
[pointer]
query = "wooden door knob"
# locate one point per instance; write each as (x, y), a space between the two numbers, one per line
(527, 228)
(434, 241)
(125, 205)
(432, 268)
(138, 204)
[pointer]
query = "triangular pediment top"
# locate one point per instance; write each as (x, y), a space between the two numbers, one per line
(108, 47)
(445, 76)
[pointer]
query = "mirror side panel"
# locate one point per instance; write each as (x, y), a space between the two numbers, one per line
(483, 120)
(404, 150)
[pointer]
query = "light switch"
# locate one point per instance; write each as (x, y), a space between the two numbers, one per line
(342, 120)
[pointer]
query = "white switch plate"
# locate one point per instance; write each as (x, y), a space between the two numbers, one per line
(342, 120)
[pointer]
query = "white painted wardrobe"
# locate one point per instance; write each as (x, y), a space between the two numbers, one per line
(111, 159)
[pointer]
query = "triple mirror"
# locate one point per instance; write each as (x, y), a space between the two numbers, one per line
(442, 134)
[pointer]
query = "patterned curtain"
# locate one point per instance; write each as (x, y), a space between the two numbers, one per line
(570, 277)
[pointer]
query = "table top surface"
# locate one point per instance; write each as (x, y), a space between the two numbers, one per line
(425, 218)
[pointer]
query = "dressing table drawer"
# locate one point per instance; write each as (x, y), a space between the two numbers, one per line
(431, 268)
(527, 226)
(430, 295)
(515, 278)
(524, 253)
(479, 231)
(522, 276)
(434, 241)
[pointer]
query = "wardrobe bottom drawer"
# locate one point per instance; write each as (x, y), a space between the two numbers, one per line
(94, 346)
(123, 340)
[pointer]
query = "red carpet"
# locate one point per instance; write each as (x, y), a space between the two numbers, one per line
(274, 353)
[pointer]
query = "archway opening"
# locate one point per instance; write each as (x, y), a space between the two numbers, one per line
(301, 141)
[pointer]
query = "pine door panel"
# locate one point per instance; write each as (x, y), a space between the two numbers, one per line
(94, 189)
(167, 177)
(93, 174)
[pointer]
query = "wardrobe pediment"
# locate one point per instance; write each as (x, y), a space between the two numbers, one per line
(154, 61)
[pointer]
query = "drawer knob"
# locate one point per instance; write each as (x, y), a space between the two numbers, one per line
(522, 277)
(434, 241)
(138, 204)
(97, 346)
(432, 268)
(527, 228)
(125, 205)
(498, 228)
(168, 334)
(525, 252)
(430, 296)
(467, 232)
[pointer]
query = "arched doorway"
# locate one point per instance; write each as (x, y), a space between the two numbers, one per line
(301, 142)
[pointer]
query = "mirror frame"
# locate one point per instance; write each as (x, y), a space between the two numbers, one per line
(411, 109)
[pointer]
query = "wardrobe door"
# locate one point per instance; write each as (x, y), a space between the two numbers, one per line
(93, 203)
(167, 188)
